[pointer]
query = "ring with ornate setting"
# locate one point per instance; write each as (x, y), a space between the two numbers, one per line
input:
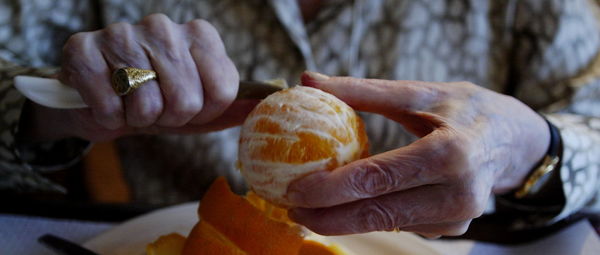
(126, 80)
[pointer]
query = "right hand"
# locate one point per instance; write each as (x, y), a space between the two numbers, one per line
(196, 85)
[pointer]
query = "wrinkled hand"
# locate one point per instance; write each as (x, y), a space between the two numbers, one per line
(472, 142)
(196, 85)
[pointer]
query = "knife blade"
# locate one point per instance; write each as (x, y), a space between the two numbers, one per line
(63, 246)
(53, 94)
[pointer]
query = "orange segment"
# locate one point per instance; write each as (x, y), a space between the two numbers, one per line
(310, 247)
(294, 132)
(205, 239)
(170, 244)
(267, 126)
(308, 147)
(245, 225)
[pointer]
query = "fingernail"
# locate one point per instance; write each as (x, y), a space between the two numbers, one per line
(316, 76)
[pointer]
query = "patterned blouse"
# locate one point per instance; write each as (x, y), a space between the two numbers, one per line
(545, 53)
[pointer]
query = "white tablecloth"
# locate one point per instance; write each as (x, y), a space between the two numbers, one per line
(577, 239)
(18, 236)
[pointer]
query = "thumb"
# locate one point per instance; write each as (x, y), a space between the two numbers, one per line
(373, 95)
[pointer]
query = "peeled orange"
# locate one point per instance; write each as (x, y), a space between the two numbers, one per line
(295, 132)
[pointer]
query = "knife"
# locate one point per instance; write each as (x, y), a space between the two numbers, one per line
(63, 246)
(53, 94)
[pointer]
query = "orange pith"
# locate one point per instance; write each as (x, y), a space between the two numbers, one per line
(311, 145)
(235, 225)
(241, 222)
(294, 132)
(308, 147)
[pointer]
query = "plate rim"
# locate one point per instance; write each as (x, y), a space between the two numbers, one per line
(99, 242)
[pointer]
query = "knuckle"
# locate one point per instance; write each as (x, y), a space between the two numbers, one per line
(77, 42)
(76, 58)
(155, 19)
(108, 115)
(377, 217)
(200, 26)
(76, 46)
(164, 38)
(119, 27)
(222, 99)
(159, 25)
(468, 204)
(372, 180)
(451, 153)
(223, 96)
(105, 109)
(117, 32)
(149, 112)
(204, 36)
(118, 37)
(185, 108)
(455, 147)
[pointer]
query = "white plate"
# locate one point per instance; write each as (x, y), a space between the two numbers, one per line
(131, 237)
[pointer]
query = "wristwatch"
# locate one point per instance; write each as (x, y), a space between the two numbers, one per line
(546, 172)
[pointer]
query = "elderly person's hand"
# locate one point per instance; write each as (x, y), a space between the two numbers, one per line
(196, 85)
(473, 142)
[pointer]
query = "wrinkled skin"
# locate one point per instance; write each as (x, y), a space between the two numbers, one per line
(195, 91)
(473, 142)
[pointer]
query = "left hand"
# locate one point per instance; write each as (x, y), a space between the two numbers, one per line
(473, 142)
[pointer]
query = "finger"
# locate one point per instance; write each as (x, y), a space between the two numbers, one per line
(177, 75)
(411, 103)
(145, 104)
(384, 96)
(420, 163)
(84, 126)
(235, 115)
(422, 205)
(439, 229)
(220, 79)
(84, 68)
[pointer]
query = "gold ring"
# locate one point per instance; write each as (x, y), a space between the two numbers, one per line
(126, 80)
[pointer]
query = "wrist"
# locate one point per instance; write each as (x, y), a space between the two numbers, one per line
(543, 187)
(529, 152)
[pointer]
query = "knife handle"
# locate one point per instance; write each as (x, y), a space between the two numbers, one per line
(49, 92)
(53, 94)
